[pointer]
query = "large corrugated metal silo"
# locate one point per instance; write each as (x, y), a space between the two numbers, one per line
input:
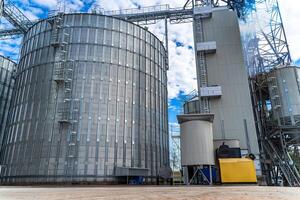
(284, 89)
(7, 69)
(91, 102)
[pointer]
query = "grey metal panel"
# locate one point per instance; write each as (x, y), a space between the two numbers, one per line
(226, 68)
(7, 81)
(190, 117)
(117, 68)
(130, 171)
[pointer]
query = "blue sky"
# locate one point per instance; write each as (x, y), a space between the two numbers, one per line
(181, 76)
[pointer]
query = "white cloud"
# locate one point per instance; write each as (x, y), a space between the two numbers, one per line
(123, 4)
(182, 68)
(4, 24)
(291, 19)
(74, 5)
(35, 10)
(182, 73)
(66, 5)
(30, 15)
(46, 3)
(10, 47)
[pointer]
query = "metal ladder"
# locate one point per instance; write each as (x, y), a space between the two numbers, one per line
(72, 148)
(277, 101)
(63, 68)
(73, 128)
(202, 71)
(275, 96)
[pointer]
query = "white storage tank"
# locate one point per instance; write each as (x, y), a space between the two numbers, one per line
(196, 139)
(284, 85)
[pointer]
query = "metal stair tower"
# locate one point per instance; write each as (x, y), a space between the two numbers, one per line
(275, 137)
(68, 108)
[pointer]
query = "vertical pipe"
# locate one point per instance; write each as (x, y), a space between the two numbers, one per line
(247, 136)
(186, 179)
(210, 175)
(166, 103)
(223, 130)
(167, 40)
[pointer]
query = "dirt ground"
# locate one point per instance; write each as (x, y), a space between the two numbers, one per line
(150, 192)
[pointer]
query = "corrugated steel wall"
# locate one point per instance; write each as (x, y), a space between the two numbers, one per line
(7, 68)
(118, 102)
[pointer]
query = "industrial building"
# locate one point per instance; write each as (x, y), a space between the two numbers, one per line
(223, 84)
(228, 98)
(90, 98)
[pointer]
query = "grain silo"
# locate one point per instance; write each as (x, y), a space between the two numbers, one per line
(91, 103)
(283, 85)
(7, 69)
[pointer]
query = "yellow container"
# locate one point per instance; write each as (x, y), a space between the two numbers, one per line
(237, 170)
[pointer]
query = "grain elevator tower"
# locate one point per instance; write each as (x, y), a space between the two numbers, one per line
(222, 78)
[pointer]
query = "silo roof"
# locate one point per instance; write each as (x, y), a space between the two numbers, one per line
(191, 117)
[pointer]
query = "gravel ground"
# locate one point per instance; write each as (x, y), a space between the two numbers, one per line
(150, 192)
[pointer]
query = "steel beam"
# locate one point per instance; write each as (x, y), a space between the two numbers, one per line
(16, 17)
(9, 33)
(150, 15)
